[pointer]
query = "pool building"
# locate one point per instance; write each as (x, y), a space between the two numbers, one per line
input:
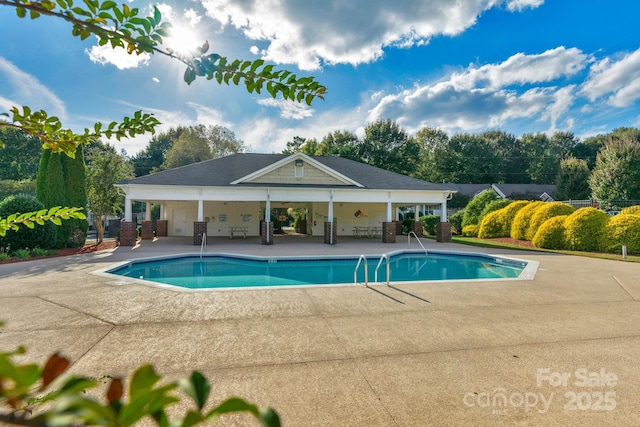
(236, 195)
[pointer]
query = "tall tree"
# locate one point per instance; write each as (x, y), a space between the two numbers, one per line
(434, 146)
(386, 145)
(573, 180)
(105, 168)
(339, 143)
(19, 156)
(154, 155)
(200, 143)
(75, 183)
(616, 175)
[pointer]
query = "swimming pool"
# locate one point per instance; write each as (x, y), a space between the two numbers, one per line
(218, 271)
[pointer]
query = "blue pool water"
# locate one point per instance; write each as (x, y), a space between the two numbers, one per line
(231, 271)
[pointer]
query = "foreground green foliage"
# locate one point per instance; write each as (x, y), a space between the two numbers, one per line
(31, 394)
(623, 229)
(522, 220)
(475, 207)
(25, 236)
(31, 219)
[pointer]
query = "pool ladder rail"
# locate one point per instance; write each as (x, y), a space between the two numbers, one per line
(203, 244)
(366, 269)
(419, 242)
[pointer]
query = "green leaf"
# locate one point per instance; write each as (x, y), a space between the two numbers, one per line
(142, 381)
(197, 387)
(189, 75)
(107, 5)
(256, 64)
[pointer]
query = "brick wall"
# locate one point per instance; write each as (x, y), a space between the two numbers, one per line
(443, 232)
(161, 227)
(389, 231)
(328, 239)
(128, 233)
(147, 230)
(417, 228)
(198, 229)
(263, 232)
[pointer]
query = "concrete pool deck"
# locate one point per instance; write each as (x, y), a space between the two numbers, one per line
(561, 349)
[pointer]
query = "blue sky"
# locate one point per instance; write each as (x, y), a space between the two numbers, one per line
(467, 66)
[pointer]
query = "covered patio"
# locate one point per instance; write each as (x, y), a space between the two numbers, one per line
(237, 195)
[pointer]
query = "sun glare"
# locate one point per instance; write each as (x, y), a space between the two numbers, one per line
(183, 40)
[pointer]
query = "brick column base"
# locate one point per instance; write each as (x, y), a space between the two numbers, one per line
(398, 229)
(161, 227)
(147, 230)
(128, 233)
(417, 228)
(263, 232)
(443, 232)
(330, 235)
(389, 232)
(199, 228)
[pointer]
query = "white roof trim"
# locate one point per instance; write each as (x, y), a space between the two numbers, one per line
(293, 158)
(497, 190)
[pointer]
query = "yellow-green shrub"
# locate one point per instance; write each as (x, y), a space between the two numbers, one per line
(550, 234)
(631, 210)
(470, 230)
(544, 212)
(509, 213)
(491, 226)
(522, 219)
(622, 229)
(584, 229)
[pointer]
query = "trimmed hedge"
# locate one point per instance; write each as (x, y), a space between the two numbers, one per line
(550, 234)
(456, 221)
(476, 205)
(545, 212)
(584, 229)
(631, 210)
(429, 223)
(619, 230)
(470, 230)
(522, 220)
(496, 205)
(41, 236)
(492, 225)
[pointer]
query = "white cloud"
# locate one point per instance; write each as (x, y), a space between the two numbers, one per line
(192, 16)
(618, 80)
(518, 5)
(27, 90)
(310, 34)
(484, 97)
(117, 56)
(288, 109)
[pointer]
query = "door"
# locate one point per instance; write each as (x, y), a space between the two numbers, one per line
(179, 222)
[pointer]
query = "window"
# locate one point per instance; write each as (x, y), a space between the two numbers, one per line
(298, 171)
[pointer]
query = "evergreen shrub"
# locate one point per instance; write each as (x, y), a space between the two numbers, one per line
(631, 210)
(470, 230)
(509, 213)
(584, 229)
(544, 212)
(522, 220)
(619, 230)
(476, 205)
(550, 234)
(429, 223)
(492, 225)
(456, 221)
(41, 236)
(493, 206)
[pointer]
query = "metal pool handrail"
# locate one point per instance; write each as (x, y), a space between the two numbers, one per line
(384, 256)
(203, 244)
(366, 271)
(419, 242)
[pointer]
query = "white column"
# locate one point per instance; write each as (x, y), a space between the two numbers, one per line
(200, 210)
(267, 215)
(389, 212)
(331, 207)
(147, 212)
(416, 214)
(162, 211)
(443, 211)
(128, 212)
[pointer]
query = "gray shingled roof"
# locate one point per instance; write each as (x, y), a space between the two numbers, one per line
(222, 171)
